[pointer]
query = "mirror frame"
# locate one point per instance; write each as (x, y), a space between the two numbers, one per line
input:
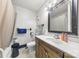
(74, 19)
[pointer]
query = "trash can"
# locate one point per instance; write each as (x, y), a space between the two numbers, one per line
(15, 50)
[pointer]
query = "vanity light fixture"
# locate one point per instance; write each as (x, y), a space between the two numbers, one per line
(50, 5)
(47, 8)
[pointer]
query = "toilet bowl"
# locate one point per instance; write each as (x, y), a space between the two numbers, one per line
(31, 46)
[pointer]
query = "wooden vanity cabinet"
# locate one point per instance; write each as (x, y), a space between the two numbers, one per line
(44, 50)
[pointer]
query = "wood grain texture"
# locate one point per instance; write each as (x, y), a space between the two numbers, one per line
(44, 50)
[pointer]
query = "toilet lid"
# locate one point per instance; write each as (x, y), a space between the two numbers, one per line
(31, 43)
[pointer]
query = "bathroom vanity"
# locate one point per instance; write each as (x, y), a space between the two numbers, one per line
(49, 47)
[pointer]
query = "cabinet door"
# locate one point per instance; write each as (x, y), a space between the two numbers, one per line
(37, 48)
(43, 53)
(52, 53)
(40, 51)
(68, 56)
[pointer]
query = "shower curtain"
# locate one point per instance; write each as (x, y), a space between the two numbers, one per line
(7, 18)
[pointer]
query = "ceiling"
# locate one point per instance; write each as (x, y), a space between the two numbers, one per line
(33, 5)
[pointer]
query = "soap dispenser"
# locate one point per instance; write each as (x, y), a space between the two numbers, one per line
(61, 36)
(64, 37)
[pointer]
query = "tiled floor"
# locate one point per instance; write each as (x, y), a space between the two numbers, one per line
(24, 53)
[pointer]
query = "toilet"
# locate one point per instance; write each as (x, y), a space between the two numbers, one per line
(31, 46)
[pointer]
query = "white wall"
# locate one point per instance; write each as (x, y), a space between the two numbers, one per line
(43, 18)
(25, 19)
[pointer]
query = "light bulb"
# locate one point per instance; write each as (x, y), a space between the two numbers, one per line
(54, 1)
(46, 8)
(50, 5)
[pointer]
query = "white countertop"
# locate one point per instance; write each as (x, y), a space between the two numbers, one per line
(71, 48)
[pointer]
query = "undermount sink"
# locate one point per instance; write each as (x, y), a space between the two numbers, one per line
(49, 38)
(60, 42)
(57, 41)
